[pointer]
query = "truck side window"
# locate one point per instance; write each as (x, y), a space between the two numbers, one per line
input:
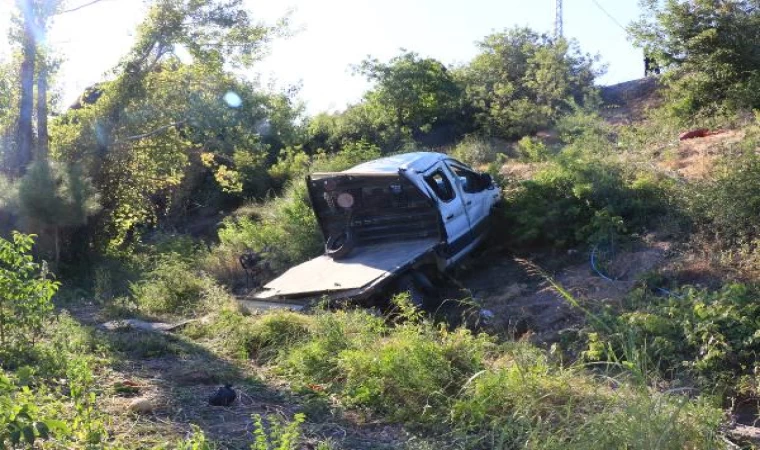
(441, 185)
(471, 181)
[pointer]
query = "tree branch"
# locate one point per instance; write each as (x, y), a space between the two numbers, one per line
(158, 130)
(77, 8)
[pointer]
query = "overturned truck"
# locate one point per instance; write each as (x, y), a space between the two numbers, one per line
(388, 223)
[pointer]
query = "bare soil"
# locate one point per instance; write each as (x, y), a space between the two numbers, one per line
(522, 303)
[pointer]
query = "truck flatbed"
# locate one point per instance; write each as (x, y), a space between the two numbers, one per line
(367, 267)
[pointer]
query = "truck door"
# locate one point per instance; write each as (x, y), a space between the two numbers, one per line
(451, 207)
(476, 196)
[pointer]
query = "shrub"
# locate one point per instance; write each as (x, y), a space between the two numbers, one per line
(561, 205)
(410, 371)
(709, 50)
(56, 197)
(350, 154)
(488, 396)
(709, 336)
(315, 359)
(25, 293)
(522, 81)
(171, 287)
(532, 149)
(476, 151)
(279, 435)
(728, 207)
(285, 226)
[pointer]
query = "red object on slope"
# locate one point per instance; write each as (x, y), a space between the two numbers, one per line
(699, 133)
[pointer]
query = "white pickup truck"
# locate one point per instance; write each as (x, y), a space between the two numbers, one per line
(391, 222)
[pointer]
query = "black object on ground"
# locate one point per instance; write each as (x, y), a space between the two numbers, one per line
(224, 396)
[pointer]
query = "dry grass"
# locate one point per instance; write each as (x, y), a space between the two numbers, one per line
(695, 159)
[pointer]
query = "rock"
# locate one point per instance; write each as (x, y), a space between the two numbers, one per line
(136, 324)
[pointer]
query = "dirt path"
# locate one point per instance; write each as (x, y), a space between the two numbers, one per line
(158, 384)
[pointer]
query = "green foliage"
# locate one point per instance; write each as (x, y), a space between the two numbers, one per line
(728, 206)
(25, 293)
(709, 335)
(521, 82)
(349, 155)
(560, 206)
(47, 392)
(532, 149)
(292, 163)
(285, 226)
(710, 49)
(21, 421)
(486, 396)
(246, 337)
(476, 151)
(172, 287)
(56, 195)
(277, 435)
(415, 93)
(142, 138)
(197, 441)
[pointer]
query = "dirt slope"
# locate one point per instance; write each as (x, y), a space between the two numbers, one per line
(626, 103)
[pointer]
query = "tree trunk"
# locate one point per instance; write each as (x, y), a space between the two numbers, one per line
(42, 111)
(25, 134)
(57, 247)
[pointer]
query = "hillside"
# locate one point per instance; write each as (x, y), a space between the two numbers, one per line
(612, 303)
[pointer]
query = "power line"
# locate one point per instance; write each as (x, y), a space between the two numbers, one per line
(609, 15)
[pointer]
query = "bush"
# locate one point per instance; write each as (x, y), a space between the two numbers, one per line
(532, 149)
(562, 204)
(709, 50)
(728, 207)
(476, 151)
(172, 287)
(25, 293)
(522, 81)
(284, 228)
(710, 336)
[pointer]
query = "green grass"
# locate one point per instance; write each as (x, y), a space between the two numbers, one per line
(476, 391)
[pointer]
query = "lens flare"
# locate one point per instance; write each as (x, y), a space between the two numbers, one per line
(232, 100)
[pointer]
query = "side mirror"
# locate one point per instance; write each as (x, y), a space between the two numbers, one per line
(487, 180)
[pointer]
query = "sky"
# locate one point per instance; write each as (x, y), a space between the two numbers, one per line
(332, 35)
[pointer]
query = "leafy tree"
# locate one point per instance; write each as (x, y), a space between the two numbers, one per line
(415, 93)
(710, 48)
(143, 138)
(25, 292)
(55, 197)
(522, 81)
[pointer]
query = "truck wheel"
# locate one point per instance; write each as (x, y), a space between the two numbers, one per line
(339, 245)
(408, 284)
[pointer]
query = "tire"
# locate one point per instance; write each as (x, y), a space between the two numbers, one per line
(416, 295)
(340, 245)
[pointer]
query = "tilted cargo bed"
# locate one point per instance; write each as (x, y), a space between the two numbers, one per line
(363, 271)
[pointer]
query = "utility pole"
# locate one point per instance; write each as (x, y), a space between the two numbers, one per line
(558, 20)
